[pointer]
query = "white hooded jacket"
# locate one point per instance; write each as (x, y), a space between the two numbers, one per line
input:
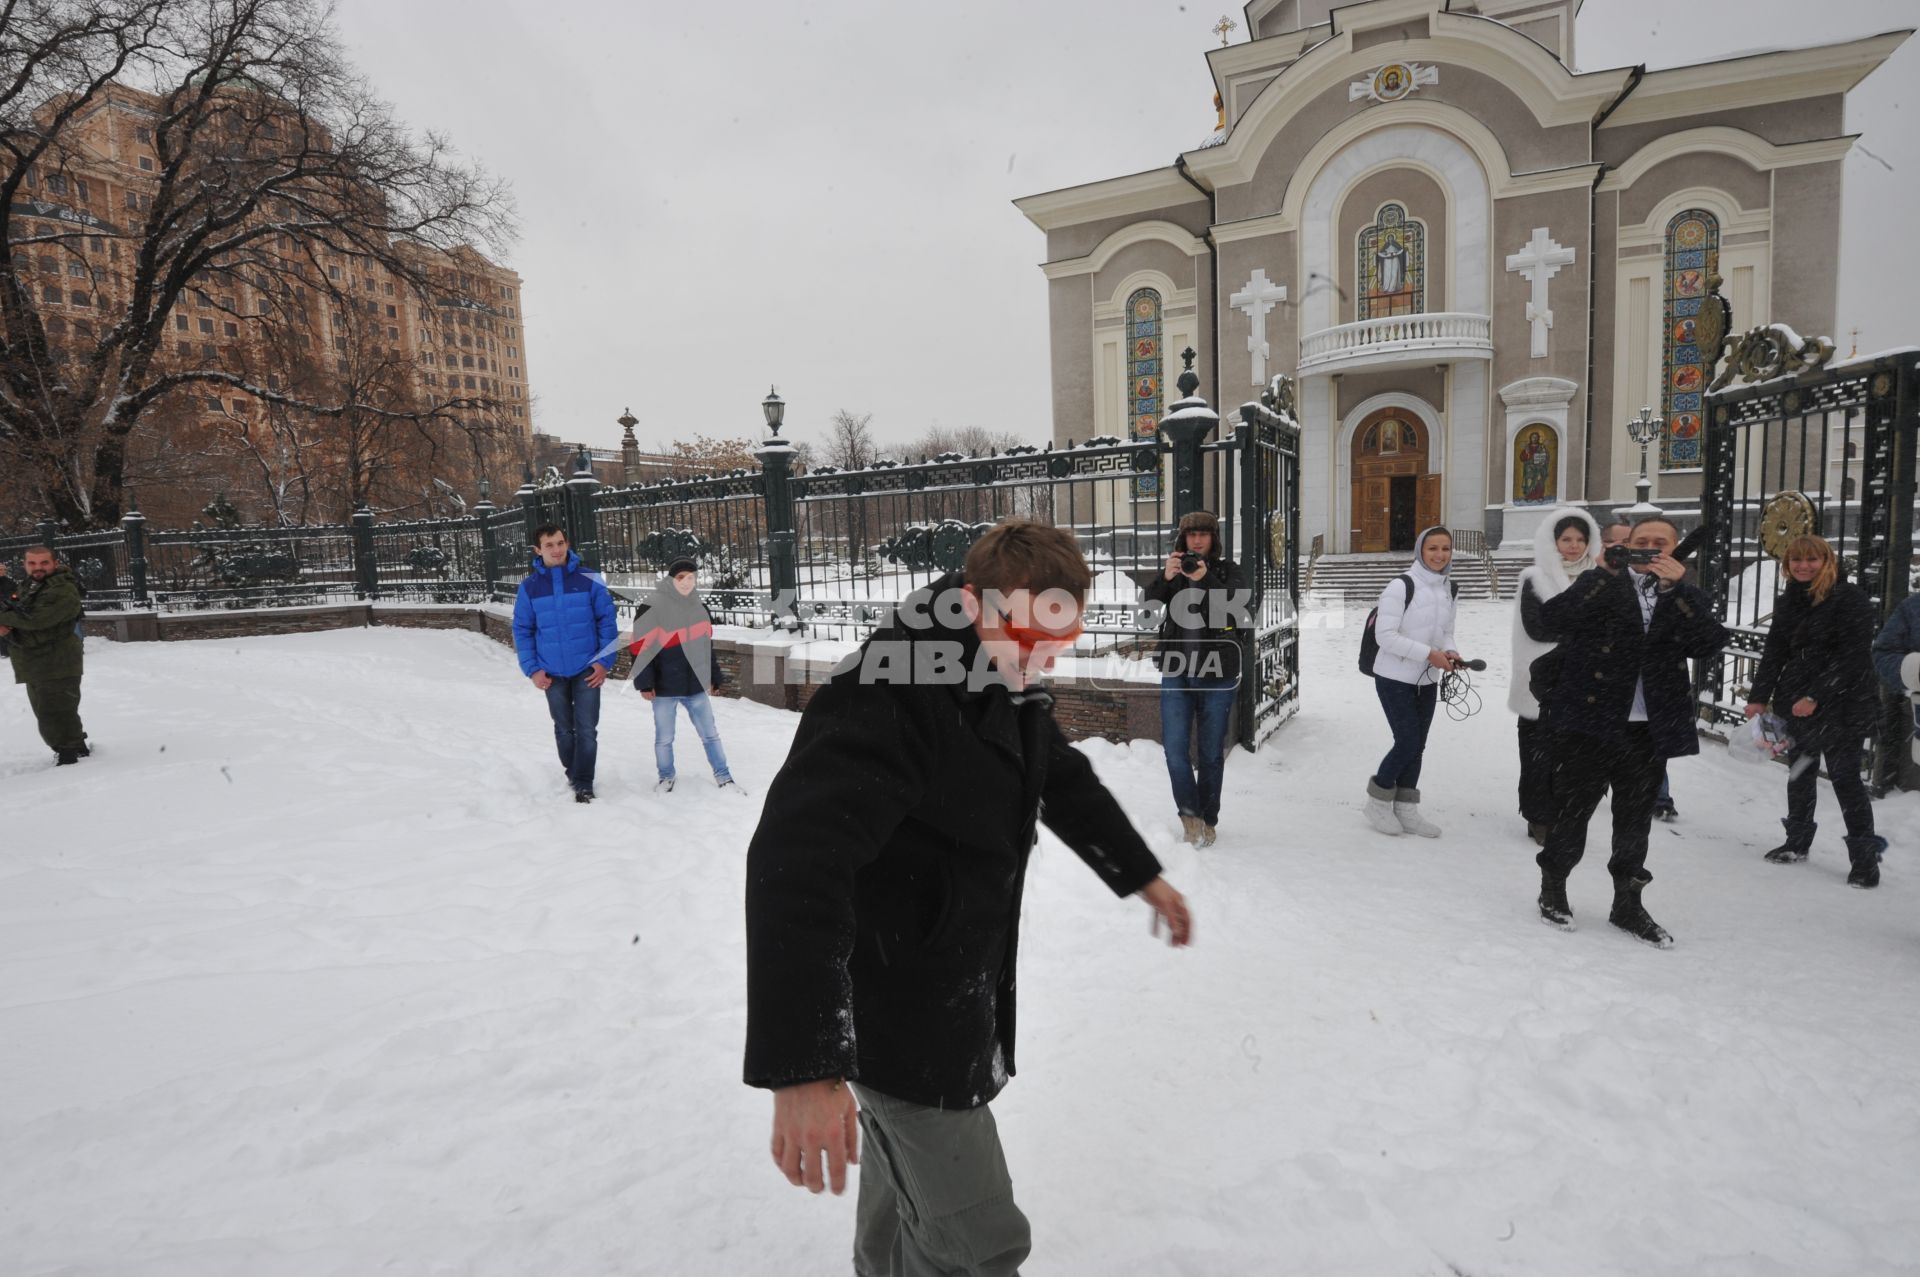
(1408, 629)
(1548, 576)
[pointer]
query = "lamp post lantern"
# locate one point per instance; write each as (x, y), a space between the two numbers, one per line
(1643, 430)
(783, 564)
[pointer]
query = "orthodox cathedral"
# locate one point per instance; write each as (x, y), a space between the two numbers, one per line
(1475, 260)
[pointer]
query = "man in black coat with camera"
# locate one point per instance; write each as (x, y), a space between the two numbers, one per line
(1622, 706)
(883, 893)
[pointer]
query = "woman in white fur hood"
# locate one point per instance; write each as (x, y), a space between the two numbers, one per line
(1567, 544)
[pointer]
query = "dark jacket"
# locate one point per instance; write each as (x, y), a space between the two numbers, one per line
(1187, 628)
(669, 635)
(1824, 651)
(1605, 650)
(563, 620)
(43, 645)
(884, 882)
(1898, 637)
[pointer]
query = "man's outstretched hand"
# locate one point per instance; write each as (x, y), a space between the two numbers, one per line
(1170, 907)
(816, 1134)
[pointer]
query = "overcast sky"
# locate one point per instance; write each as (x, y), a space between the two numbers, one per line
(718, 197)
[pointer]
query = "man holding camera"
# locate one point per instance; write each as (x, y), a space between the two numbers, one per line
(1622, 707)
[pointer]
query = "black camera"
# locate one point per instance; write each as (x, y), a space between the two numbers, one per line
(1620, 556)
(1189, 561)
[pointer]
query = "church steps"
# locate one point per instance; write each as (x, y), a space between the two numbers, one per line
(1361, 577)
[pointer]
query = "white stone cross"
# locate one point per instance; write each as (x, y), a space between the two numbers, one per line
(1256, 299)
(1540, 261)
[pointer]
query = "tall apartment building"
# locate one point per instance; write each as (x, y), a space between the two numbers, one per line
(465, 339)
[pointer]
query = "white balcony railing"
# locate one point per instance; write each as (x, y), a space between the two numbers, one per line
(1397, 339)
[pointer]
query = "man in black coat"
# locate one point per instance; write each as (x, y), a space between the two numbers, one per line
(1622, 706)
(883, 902)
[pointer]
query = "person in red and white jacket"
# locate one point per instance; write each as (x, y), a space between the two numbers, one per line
(675, 665)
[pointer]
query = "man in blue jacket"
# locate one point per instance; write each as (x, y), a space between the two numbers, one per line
(564, 630)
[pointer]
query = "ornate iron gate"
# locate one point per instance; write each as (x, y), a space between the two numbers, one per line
(1268, 532)
(1804, 447)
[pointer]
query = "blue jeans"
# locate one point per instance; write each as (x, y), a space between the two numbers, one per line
(576, 726)
(1409, 710)
(1195, 711)
(700, 710)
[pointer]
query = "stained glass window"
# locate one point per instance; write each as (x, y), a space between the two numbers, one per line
(1391, 266)
(1144, 376)
(1693, 257)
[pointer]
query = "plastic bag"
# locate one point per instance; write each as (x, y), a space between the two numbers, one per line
(1764, 739)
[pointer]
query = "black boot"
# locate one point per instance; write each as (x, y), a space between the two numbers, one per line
(1799, 842)
(66, 757)
(1631, 916)
(1554, 909)
(1864, 850)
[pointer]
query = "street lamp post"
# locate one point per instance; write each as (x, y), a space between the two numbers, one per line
(776, 461)
(1643, 430)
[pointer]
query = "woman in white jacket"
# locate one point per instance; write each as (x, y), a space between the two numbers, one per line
(1414, 628)
(1567, 544)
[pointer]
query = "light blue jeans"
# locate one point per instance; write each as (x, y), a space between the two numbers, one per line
(700, 710)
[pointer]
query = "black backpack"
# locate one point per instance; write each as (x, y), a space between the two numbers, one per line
(1370, 642)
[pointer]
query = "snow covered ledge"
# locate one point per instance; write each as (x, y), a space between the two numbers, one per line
(780, 670)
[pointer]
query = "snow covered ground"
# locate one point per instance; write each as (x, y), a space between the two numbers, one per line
(311, 970)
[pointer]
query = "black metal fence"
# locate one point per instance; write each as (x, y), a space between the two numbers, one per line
(827, 553)
(1822, 450)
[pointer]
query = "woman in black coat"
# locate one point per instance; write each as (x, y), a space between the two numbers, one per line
(1817, 673)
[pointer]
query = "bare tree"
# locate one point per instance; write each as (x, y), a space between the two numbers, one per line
(849, 442)
(704, 454)
(277, 179)
(972, 441)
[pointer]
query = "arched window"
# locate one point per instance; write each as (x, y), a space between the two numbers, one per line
(1145, 367)
(1693, 264)
(1391, 266)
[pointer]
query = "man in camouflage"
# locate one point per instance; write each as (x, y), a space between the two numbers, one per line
(44, 646)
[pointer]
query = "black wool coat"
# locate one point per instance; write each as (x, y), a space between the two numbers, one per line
(1187, 627)
(1824, 651)
(884, 881)
(1605, 650)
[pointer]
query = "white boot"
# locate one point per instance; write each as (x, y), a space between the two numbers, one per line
(1406, 809)
(1380, 809)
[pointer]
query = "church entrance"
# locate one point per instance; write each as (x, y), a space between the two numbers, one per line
(1393, 495)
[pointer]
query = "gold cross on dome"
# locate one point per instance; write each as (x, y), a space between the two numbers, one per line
(1225, 27)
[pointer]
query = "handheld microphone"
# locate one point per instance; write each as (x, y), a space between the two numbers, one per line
(1475, 666)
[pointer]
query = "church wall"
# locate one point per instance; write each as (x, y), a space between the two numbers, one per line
(1805, 120)
(1416, 29)
(1564, 214)
(1067, 242)
(1592, 484)
(1806, 248)
(1070, 313)
(1241, 94)
(1153, 254)
(1528, 146)
(1423, 199)
(1238, 260)
(1422, 381)
(1719, 172)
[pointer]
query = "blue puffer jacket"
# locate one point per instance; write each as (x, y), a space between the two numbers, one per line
(563, 620)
